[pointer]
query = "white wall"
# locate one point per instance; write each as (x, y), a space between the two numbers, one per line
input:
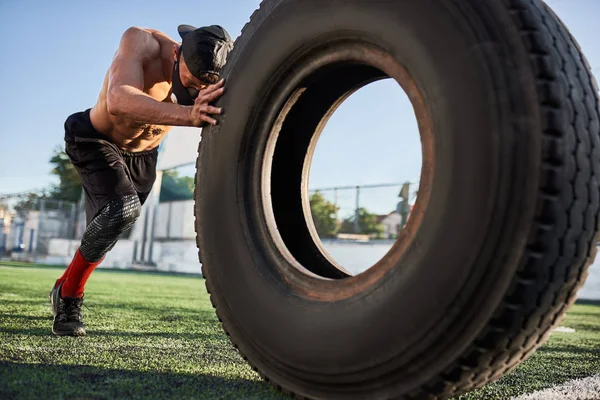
(61, 251)
(175, 220)
(182, 256)
(178, 256)
(32, 223)
(174, 256)
(391, 224)
(180, 147)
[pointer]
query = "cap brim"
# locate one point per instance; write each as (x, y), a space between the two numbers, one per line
(185, 29)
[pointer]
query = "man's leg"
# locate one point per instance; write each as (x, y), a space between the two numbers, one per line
(112, 206)
(99, 238)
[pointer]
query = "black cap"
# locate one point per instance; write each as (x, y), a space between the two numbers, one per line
(205, 49)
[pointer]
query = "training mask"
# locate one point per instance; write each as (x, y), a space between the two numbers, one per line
(181, 94)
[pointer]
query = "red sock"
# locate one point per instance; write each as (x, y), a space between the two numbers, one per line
(66, 273)
(77, 275)
(64, 276)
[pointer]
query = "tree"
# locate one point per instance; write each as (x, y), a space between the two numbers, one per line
(69, 184)
(175, 187)
(30, 201)
(68, 188)
(367, 224)
(324, 215)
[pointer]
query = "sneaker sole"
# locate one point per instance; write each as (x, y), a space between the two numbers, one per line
(79, 332)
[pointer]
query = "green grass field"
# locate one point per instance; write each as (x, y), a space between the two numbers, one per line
(157, 336)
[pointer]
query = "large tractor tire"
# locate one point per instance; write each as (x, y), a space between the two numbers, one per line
(504, 227)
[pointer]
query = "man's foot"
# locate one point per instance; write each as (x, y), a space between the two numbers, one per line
(67, 314)
(54, 296)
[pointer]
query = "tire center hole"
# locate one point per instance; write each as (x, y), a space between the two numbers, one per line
(347, 151)
(364, 175)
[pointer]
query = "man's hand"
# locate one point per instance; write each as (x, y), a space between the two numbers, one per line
(202, 109)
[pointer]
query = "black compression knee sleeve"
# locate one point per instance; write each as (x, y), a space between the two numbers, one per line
(103, 232)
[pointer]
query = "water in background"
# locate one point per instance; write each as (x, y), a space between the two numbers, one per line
(357, 257)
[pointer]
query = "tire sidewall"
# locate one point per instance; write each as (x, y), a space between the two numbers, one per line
(477, 166)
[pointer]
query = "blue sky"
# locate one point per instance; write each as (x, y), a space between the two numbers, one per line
(55, 56)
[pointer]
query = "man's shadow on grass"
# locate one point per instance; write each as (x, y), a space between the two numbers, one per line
(47, 331)
(27, 317)
(22, 324)
(80, 381)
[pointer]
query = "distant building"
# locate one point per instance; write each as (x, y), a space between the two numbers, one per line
(5, 222)
(391, 224)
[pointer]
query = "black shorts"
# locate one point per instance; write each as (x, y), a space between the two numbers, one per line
(106, 171)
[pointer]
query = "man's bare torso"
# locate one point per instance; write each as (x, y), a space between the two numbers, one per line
(126, 132)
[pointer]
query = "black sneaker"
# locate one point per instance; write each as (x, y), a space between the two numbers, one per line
(54, 297)
(67, 314)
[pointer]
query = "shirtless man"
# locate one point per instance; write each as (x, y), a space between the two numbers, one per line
(154, 83)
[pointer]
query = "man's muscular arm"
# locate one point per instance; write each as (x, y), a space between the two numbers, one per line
(125, 95)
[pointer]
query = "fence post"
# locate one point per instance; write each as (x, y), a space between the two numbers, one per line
(335, 203)
(2, 235)
(135, 251)
(31, 235)
(357, 211)
(145, 233)
(169, 220)
(152, 228)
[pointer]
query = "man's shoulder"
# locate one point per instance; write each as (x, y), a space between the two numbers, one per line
(147, 33)
(136, 34)
(146, 41)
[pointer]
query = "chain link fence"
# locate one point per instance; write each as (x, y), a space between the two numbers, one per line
(27, 226)
(364, 209)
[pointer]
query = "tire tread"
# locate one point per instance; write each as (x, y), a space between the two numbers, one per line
(547, 281)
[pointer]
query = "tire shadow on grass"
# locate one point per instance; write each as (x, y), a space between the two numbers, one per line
(32, 381)
(27, 317)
